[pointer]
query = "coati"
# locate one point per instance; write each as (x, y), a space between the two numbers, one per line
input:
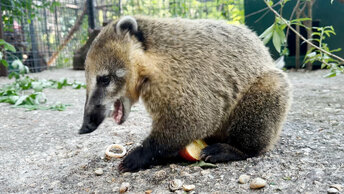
(198, 79)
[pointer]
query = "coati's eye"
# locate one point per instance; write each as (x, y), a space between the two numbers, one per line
(103, 80)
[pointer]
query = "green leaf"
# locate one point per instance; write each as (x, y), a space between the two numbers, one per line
(204, 164)
(332, 74)
(276, 41)
(4, 62)
(267, 38)
(21, 100)
(268, 31)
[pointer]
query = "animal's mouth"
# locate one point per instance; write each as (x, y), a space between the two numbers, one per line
(118, 113)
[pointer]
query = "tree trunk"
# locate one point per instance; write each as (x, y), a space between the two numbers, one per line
(3, 69)
(309, 65)
(297, 44)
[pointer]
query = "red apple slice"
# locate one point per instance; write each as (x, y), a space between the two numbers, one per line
(192, 152)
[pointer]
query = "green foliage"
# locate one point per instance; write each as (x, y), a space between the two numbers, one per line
(15, 9)
(277, 32)
(230, 10)
(14, 93)
(313, 54)
(27, 92)
(321, 54)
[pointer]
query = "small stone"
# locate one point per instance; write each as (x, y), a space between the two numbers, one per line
(188, 188)
(79, 146)
(332, 190)
(124, 187)
(337, 186)
(148, 191)
(160, 175)
(244, 178)
(126, 174)
(176, 184)
(80, 184)
(205, 172)
(185, 174)
(257, 183)
(99, 171)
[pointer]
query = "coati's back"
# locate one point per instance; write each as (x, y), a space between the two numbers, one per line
(199, 49)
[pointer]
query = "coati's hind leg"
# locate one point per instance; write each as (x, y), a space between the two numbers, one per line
(255, 123)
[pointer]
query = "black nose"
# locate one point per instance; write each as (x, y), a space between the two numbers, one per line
(87, 129)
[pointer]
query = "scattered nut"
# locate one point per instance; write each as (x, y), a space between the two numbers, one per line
(124, 187)
(244, 178)
(148, 191)
(176, 184)
(98, 171)
(257, 183)
(188, 187)
(337, 186)
(332, 190)
(113, 155)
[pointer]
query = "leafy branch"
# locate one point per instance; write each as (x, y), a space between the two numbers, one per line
(288, 23)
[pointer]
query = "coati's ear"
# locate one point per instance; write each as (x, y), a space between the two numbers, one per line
(126, 24)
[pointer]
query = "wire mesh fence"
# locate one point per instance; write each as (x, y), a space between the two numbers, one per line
(38, 28)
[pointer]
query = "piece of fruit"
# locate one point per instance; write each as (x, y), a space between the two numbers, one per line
(192, 152)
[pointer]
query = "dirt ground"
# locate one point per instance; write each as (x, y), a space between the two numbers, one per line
(41, 151)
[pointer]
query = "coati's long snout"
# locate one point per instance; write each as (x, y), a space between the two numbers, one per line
(93, 117)
(94, 114)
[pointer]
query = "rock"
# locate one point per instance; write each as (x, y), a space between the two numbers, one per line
(332, 190)
(126, 174)
(188, 188)
(244, 178)
(257, 183)
(337, 186)
(185, 174)
(99, 171)
(160, 175)
(176, 184)
(124, 187)
(205, 172)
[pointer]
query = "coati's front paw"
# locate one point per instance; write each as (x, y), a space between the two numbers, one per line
(137, 159)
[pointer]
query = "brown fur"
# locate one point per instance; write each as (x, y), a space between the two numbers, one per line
(198, 79)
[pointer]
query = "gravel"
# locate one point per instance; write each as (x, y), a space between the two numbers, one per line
(41, 151)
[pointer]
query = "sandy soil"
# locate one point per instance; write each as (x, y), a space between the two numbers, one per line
(41, 151)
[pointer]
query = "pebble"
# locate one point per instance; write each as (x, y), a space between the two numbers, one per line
(332, 190)
(176, 184)
(124, 187)
(205, 172)
(244, 178)
(188, 188)
(160, 175)
(148, 191)
(337, 186)
(99, 171)
(185, 174)
(257, 183)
